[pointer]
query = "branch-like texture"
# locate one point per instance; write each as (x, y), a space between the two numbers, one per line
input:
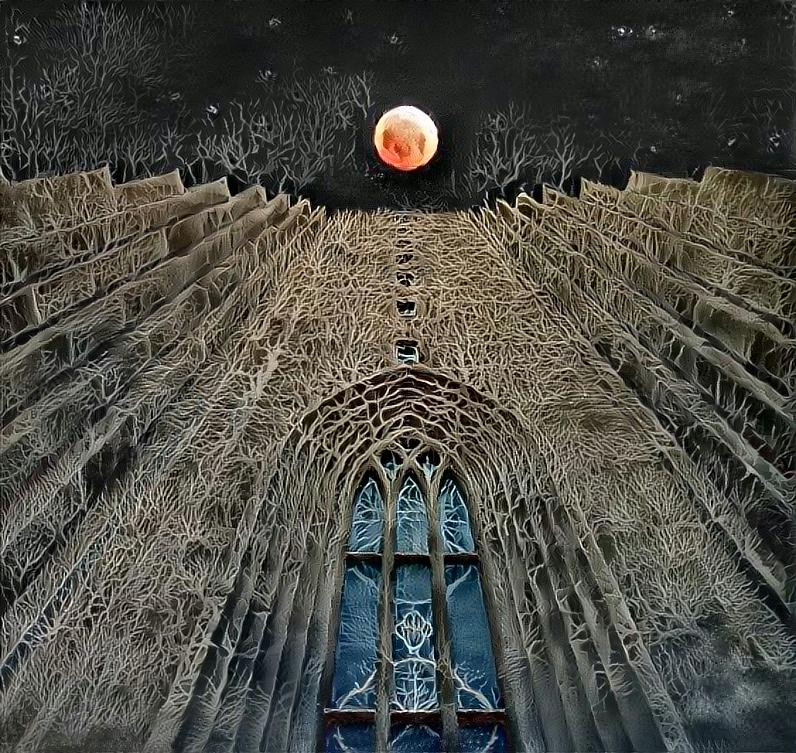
(191, 382)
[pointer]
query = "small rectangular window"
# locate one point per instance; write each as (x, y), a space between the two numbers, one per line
(405, 258)
(405, 278)
(406, 351)
(407, 308)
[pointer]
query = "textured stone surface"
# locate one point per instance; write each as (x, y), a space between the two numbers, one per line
(189, 394)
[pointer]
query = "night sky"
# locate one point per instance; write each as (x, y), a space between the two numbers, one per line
(286, 93)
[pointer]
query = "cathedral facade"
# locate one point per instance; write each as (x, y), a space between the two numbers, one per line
(279, 479)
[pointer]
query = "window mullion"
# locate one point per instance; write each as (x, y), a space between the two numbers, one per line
(442, 643)
(384, 677)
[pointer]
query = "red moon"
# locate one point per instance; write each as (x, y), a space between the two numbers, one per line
(405, 138)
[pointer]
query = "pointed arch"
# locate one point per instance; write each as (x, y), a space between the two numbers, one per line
(518, 526)
(367, 526)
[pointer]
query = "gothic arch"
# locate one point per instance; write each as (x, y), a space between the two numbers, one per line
(561, 644)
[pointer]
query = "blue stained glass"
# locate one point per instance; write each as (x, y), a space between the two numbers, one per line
(483, 738)
(415, 738)
(390, 463)
(411, 531)
(413, 640)
(429, 462)
(351, 738)
(455, 523)
(354, 685)
(474, 673)
(368, 519)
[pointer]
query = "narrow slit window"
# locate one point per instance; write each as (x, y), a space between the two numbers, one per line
(389, 658)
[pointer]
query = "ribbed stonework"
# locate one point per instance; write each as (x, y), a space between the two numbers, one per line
(190, 383)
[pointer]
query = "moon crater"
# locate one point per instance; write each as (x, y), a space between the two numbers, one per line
(405, 138)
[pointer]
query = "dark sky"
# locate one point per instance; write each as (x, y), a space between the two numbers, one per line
(585, 87)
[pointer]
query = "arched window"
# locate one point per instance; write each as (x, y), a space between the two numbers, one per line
(414, 669)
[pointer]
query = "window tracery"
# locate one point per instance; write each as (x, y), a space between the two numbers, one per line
(414, 668)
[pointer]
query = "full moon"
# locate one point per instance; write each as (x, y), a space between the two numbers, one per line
(405, 138)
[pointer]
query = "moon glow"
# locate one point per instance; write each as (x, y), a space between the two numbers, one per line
(405, 138)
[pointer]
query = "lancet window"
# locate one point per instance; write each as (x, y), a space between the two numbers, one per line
(414, 668)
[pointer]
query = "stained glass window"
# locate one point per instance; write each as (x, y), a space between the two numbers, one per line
(413, 645)
(355, 660)
(429, 462)
(474, 673)
(411, 529)
(351, 738)
(390, 462)
(456, 535)
(415, 738)
(483, 738)
(389, 657)
(366, 527)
